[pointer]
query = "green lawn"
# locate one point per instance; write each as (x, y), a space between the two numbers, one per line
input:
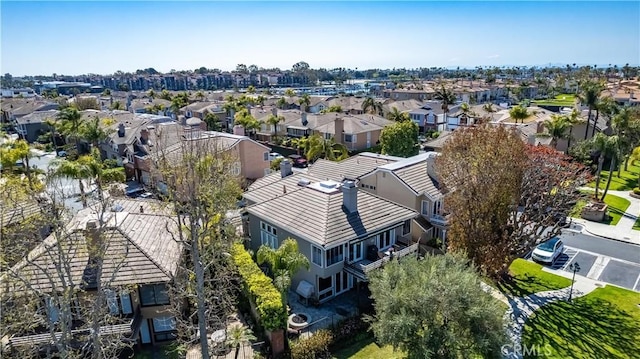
(367, 348)
(560, 100)
(617, 207)
(527, 278)
(602, 324)
(577, 209)
(628, 179)
(636, 226)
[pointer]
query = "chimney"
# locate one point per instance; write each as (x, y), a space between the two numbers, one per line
(121, 130)
(144, 135)
(350, 196)
(304, 119)
(285, 168)
(90, 273)
(431, 165)
(338, 129)
(274, 111)
(238, 130)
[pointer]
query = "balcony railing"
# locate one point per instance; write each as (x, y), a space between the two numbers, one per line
(361, 268)
(439, 220)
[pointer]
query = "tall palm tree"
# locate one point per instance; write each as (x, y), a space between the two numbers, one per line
(290, 93)
(557, 127)
(489, 109)
(71, 119)
(327, 149)
(370, 105)
(606, 146)
(304, 102)
(274, 121)
(237, 336)
(282, 103)
(95, 132)
(589, 96)
(52, 123)
(447, 97)
(199, 95)
(397, 116)
(519, 113)
(74, 170)
(284, 263)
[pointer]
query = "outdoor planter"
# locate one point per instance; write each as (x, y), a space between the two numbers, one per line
(594, 211)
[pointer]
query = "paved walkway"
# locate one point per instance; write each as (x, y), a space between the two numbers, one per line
(622, 231)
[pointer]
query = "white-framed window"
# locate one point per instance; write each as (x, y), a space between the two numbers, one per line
(406, 227)
(268, 235)
(265, 156)
(425, 208)
(356, 252)
(437, 207)
(327, 136)
(386, 239)
(334, 255)
(349, 138)
(316, 256)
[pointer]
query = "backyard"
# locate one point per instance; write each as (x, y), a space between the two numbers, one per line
(602, 324)
(560, 100)
(627, 181)
(367, 348)
(528, 278)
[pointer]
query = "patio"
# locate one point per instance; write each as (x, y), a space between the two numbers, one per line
(326, 314)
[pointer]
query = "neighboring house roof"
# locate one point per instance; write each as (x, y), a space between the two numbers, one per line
(15, 212)
(413, 172)
(32, 106)
(37, 117)
(350, 168)
(439, 142)
(347, 103)
(146, 102)
(402, 106)
(273, 185)
(320, 218)
(141, 248)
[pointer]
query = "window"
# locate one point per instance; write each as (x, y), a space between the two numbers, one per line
(334, 255)
(356, 252)
(349, 138)
(154, 294)
(385, 239)
(268, 235)
(316, 256)
(437, 206)
(325, 287)
(265, 156)
(164, 328)
(327, 136)
(406, 227)
(425, 208)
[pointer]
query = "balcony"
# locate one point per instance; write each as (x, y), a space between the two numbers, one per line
(439, 219)
(361, 268)
(128, 329)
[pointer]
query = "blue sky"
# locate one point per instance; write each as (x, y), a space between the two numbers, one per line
(103, 37)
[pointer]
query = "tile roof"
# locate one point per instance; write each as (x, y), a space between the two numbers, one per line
(141, 248)
(320, 217)
(415, 176)
(273, 185)
(350, 168)
(37, 117)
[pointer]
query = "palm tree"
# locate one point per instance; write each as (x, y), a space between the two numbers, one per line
(282, 103)
(12, 151)
(274, 121)
(152, 94)
(635, 156)
(589, 96)
(237, 336)
(290, 93)
(70, 118)
(199, 95)
(397, 116)
(284, 262)
(488, 107)
(52, 123)
(260, 100)
(519, 113)
(116, 105)
(304, 102)
(327, 149)
(370, 105)
(74, 170)
(557, 127)
(447, 97)
(605, 146)
(93, 131)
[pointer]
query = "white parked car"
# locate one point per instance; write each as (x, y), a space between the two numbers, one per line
(274, 156)
(547, 252)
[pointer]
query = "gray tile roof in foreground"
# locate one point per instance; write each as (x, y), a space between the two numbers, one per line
(350, 168)
(320, 218)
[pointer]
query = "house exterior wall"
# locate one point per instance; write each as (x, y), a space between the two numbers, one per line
(252, 159)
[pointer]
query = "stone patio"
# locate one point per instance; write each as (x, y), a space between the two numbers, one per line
(326, 314)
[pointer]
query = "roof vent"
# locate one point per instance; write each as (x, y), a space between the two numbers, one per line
(328, 184)
(304, 182)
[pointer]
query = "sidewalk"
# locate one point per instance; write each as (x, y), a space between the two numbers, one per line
(620, 232)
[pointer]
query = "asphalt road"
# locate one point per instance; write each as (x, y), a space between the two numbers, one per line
(607, 247)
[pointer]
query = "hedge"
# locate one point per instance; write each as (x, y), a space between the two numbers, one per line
(268, 300)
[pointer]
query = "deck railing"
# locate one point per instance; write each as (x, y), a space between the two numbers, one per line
(412, 249)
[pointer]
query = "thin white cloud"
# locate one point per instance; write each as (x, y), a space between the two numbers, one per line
(493, 56)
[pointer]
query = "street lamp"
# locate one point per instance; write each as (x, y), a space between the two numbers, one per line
(575, 267)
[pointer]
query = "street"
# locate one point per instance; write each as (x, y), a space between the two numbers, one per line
(601, 259)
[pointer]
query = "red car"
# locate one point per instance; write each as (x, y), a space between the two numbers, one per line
(298, 161)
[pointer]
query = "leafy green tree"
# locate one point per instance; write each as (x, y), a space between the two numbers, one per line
(251, 89)
(370, 105)
(212, 121)
(152, 94)
(165, 95)
(290, 93)
(199, 95)
(13, 151)
(70, 120)
(281, 103)
(519, 113)
(304, 102)
(320, 147)
(435, 308)
(179, 101)
(284, 262)
(274, 121)
(246, 120)
(117, 105)
(400, 139)
(334, 108)
(96, 130)
(557, 127)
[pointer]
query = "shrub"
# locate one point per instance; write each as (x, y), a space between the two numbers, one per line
(313, 347)
(349, 328)
(268, 300)
(636, 190)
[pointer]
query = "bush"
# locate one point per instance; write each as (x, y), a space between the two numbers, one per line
(313, 347)
(268, 300)
(636, 190)
(349, 331)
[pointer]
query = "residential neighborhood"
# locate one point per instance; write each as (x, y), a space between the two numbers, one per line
(360, 205)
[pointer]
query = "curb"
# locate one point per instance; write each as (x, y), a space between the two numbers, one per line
(611, 238)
